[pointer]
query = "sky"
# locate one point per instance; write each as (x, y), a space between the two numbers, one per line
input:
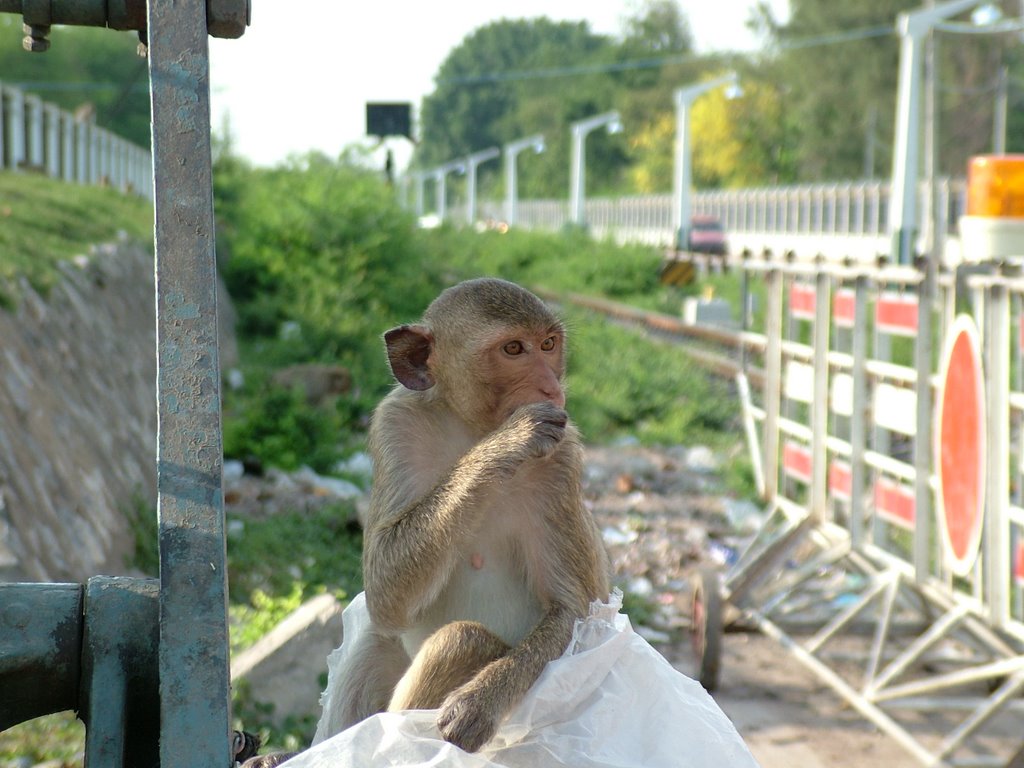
(301, 75)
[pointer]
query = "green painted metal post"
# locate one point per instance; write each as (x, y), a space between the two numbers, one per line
(194, 681)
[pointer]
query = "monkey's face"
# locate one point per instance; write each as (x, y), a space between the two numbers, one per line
(520, 367)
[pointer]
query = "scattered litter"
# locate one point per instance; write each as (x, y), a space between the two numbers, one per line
(640, 586)
(616, 536)
(359, 464)
(626, 441)
(328, 486)
(653, 636)
(722, 554)
(745, 516)
(636, 497)
(700, 458)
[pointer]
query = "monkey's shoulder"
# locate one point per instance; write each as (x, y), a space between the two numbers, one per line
(417, 419)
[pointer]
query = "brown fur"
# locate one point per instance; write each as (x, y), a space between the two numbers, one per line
(479, 554)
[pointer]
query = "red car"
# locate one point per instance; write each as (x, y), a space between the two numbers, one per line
(707, 236)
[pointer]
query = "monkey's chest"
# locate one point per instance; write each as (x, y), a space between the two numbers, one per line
(488, 585)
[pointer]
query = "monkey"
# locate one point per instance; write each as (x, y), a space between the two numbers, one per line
(479, 555)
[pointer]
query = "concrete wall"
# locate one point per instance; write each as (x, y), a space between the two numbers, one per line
(78, 417)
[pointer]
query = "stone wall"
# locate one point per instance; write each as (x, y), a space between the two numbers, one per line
(78, 417)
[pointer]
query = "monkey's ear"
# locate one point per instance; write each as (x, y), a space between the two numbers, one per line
(408, 349)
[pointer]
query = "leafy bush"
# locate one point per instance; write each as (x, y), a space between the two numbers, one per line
(324, 247)
(621, 383)
(563, 261)
(279, 428)
(318, 551)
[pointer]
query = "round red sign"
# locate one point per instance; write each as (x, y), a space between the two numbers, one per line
(960, 444)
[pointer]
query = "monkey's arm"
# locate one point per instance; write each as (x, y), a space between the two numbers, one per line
(470, 716)
(421, 511)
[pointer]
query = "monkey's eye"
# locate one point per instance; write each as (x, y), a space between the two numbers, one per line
(548, 344)
(513, 348)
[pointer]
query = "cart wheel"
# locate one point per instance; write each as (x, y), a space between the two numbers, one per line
(706, 628)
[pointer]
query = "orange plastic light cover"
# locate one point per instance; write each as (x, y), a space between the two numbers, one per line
(995, 186)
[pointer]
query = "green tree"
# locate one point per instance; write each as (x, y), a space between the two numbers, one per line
(511, 78)
(95, 70)
(658, 27)
(738, 139)
(968, 70)
(837, 67)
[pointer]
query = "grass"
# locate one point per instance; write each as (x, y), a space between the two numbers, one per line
(43, 222)
(59, 738)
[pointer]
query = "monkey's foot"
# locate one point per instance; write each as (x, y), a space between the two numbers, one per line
(465, 721)
(268, 761)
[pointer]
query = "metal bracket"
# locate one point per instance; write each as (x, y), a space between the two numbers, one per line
(224, 18)
(40, 650)
(92, 651)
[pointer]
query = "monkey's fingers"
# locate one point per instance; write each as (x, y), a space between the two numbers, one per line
(543, 410)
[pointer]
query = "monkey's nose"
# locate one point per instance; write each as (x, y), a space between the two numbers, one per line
(556, 398)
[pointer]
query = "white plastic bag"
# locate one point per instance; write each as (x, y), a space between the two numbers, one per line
(610, 701)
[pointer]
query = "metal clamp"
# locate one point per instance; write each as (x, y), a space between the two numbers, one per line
(224, 18)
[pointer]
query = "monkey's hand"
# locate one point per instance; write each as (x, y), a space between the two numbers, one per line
(532, 432)
(468, 718)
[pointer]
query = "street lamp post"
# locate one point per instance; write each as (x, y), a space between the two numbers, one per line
(912, 27)
(420, 177)
(472, 162)
(683, 171)
(512, 151)
(580, 129)
(440, 180)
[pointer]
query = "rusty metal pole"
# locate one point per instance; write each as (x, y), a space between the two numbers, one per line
(194, 681)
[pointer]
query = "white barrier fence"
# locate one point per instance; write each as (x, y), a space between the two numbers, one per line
(847, 219)
(39, 137)
(889, 435)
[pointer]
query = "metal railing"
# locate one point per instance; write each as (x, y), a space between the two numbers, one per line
(37, 136)
(842, 219)
(888, 438)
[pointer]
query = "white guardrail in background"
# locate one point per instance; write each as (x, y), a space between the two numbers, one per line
(844, 219)
(39, 137)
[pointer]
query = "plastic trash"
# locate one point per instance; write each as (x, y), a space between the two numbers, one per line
(610, 701)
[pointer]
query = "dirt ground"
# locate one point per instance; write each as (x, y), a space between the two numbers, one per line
(786, 716)
(663, 513)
